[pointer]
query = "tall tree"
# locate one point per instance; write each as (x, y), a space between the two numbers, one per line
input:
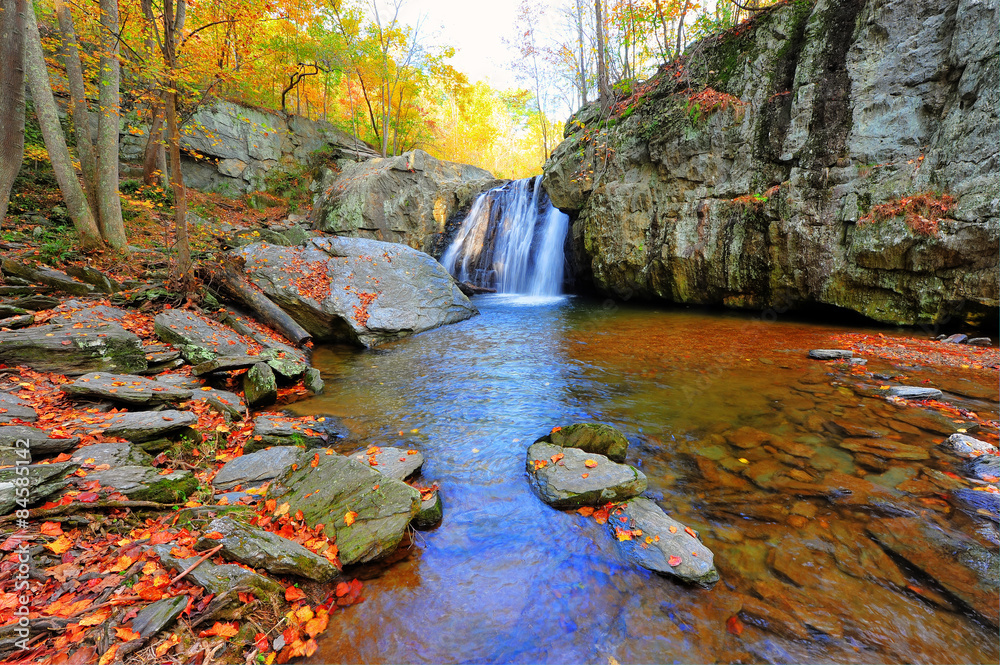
(527, 65)
(109, 98)
(12, 23)
(45, 108)
(603, 87)
(581, 46)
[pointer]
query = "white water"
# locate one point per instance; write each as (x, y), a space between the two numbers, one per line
(512, 240)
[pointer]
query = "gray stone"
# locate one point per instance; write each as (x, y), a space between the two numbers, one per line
(225, 364)
(258, 467)
(984, 467)
(967, 446)
(158, 616)
(980, 341)
(125, 388)
(313, 381)
(113, 454)
(47, 276)
(431, 512)
(199, 339)
(181, 381)
(14, 408)
(227, 403)
(144, 483)
(101, 282)
(284, 360)
(393, 462)
(597, 438)
(376, 291)
(979, 503)
(275, 430)
(38, 441)
(646, 538)
(259, 386)
(16, 322)
(830, 354)
(65, 349)
(578, 478)
(138, 426)
(914, 392)
(955, 339)
(44, 480)
(339, 490)
(260, 549)
(219, 578)
(78, 311)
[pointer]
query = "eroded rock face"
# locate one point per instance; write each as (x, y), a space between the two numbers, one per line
(69, 350)
(357, 290)
(757, 204)
(406, 199)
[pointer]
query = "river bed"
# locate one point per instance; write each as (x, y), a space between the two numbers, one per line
(507, 579)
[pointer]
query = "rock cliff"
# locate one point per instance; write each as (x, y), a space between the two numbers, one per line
(834, 152)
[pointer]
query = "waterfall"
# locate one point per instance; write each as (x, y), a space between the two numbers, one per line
(512, 241)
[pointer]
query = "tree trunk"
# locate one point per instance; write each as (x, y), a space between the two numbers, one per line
(582, 45)
(108, 198)
(666, 32)
(680, 27)
(45, 108)
(182, 274)
(154, 146)
(603, 88)
(78, 104)
(12, 24)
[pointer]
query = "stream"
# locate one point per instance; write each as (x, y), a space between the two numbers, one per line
(505, 578)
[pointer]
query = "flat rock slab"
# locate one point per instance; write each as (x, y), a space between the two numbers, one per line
(219, 578)
(568, 478)
(260, 386)
(126, 388)
(914, 392)
(396, 463)
(13, 408)
(261, 549)
(369, 512)
(886, 448)
(258, 467)
(225, 364)
(830, 354)
(38, 441)
(44, 481)
(984, 467)
(745, 438)
(76, 311)
(356, 290)
(597, 438)
(959, 564)
(160, 615)
(979, 502)
(47, 276)
(144, 483)
(275, 430)
(141, 426)
(652, 539)
(67, 349)
(113, 454)
(967, 446)
(199, 339)
(227, 403)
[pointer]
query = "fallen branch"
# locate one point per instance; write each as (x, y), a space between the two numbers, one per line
(37, 513)
(197, 563)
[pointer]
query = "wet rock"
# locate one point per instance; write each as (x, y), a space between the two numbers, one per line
(393, 462)
(259, 386)
(14, 408)
(181, 381)
(980, 341)
(376, 291)
(125, 388)
(38, 441)
(275, 430)
(431, 512)
(44, 481)
(160, 615)
(578, 478)
(225, 364)
(848, 490)
(967, 446)
(959, 564)
(65, 349)
(260, 549)
(984, 467)
(113, 454)
(768, 617)
(657, 542)
(981, 502)
(956, 339)
(219, 578)
(286, 362)
(748, 437)
(886, 448)
(144, 483)
(138, 426)
(914, 392)
(313, 381)
(937, 423)
(830, 354)
(257, 467)
(846, 428)
(227, 403)
(599, 438)
(341, 493)
(199, 339)
(16, 322)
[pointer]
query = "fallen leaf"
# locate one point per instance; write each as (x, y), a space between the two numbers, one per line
(590, 464)
(734, 625)
(294, 593)
(674, 560)
(221, 629)
(126, 634)
(51, 529)
(214, 535)
(60, 544)
(349, 517)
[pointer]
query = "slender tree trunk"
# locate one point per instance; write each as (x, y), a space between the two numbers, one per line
(13, 17)
(182, 269)
(581, 44)
(602, 68)
(108, 198)
(154, 146)
(666, 32)
(45, 108)
(680, 26)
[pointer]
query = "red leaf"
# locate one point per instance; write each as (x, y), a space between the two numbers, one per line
(734, 625)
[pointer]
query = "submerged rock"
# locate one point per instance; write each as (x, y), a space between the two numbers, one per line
(571, 478)
(67, 349)
(657, 542)
(830, 354)
(597, 438)
(261, 549)
(356, 290)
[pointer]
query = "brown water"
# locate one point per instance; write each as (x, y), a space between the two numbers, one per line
(507, 579)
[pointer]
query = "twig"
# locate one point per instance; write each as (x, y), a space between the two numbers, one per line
(197, 563)
(97, 505)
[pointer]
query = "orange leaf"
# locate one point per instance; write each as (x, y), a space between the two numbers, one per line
(315, 461)
(60, 545)
(674, 560)
(122, 563)
(349, 517)
(282, 509)
(590, 464)
(293, 593)
(586, 511)
(166, 646)
(555, 458)
(97, 618)
(51, 529)
(214, 535)
(126, 634)
(109, 655)
(221, 629)
(317, 625)
(689, 531)
(673, 529)
(734, 625)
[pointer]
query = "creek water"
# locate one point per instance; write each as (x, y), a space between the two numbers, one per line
(505, 578)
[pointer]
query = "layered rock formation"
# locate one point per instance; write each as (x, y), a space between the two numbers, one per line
(751, 173)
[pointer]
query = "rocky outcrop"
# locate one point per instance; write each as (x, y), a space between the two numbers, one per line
(744, 176)
(357, 290)
(406, 199)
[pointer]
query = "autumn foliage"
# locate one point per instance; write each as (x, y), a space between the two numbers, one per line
(922, 212)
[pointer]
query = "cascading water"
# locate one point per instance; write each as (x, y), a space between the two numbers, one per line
(512, 241)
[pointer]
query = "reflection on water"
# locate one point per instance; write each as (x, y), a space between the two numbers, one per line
(507, 579)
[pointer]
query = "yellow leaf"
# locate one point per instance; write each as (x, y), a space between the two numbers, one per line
(282, 509)
(590, 464)
(349, 517)
(60, 544)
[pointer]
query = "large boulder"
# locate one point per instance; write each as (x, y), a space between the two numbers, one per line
(258, 467)
(145, 483)
(406, 199)
(357, 290)
(73, 349)
(368, 511)
(571, 478)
